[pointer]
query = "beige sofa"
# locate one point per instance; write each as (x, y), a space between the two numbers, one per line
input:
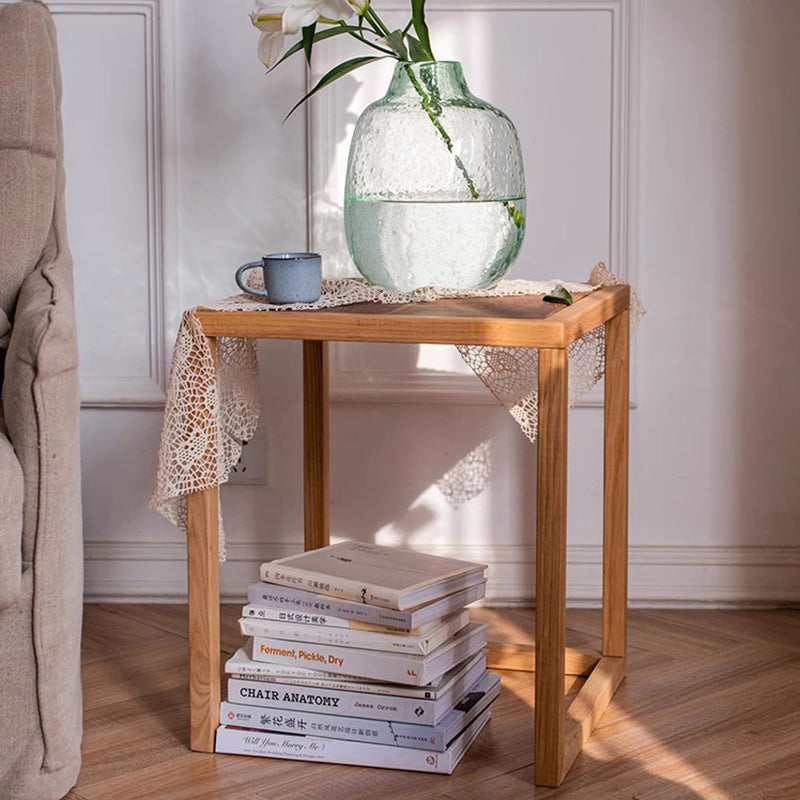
(41, 560)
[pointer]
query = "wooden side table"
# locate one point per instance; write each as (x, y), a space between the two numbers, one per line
(502, 321)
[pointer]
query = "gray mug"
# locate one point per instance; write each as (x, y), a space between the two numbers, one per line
(288, 277)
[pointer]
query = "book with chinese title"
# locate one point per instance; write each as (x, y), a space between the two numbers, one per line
(417, 643)
(388, 577)
(270, 595)
(363, 729)
(245, 741)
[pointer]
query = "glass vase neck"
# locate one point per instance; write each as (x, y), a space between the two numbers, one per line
(439, 79)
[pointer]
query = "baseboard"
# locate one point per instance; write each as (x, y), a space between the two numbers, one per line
(674, 576)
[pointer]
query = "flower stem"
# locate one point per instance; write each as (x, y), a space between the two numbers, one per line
(376, 22)
(366, 41)
(516, 215)
(434, 118)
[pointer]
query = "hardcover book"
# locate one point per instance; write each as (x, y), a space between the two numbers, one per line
(286, 598)
(375, 731)
(241, 666)
(354, 703)
(390, 667)
(389, 577)
(420, 644)
(244, 741)
(255, 611)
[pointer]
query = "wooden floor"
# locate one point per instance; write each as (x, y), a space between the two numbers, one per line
(710, 709)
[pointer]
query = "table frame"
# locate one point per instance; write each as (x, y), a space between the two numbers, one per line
(558, 736)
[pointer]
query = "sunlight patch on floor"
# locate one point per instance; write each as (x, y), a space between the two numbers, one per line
(661, 761)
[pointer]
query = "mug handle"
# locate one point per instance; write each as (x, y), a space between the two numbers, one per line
(241, 284)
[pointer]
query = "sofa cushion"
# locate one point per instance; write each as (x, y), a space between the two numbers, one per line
(11, 493)
(28, 144)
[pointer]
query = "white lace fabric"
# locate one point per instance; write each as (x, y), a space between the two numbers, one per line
(213, 404)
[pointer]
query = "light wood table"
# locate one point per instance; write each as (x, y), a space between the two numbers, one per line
(502, 321)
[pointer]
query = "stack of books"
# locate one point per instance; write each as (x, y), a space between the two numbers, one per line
(360, 654)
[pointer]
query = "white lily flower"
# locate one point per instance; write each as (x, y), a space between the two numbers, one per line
(360, 6)
(270, 22)
(300, 13)
(278, 18)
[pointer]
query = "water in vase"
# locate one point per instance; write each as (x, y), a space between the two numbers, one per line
(402, 245)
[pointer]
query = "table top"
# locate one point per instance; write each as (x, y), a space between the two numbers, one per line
(522, 321)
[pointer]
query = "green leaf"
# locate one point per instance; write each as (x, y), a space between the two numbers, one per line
(318, 37)
(397, 45)
(421, 27)
(337, 72)
(559, 295)
(417, 51)
(308, 40)
(516, 215)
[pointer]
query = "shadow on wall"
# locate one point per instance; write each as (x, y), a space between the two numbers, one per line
(383, 480)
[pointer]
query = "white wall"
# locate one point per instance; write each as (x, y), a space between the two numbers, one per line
(179, 170)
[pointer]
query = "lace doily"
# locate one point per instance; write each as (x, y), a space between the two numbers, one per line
(210, 412)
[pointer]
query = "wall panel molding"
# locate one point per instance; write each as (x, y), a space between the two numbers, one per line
(99, 390)
(659, 575)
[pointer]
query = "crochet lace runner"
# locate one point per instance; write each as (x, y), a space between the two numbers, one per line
(210, 411)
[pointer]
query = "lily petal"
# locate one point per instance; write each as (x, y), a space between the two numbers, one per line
(272, 6)
(268, 23)
(298, 15)
(335, 9)
(270, 47)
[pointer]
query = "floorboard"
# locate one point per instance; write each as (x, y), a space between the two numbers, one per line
(710, 709)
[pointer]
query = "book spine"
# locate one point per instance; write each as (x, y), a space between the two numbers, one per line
(367, 640)
(333, 726)
(251, 610)
(334, 701)
(331, 681)
(332, 751)
(389, 667)
(276, 672)
(344, 588)
(286, 597)
(472, 668)
(343, 637)
(256, 611)
(263, 669)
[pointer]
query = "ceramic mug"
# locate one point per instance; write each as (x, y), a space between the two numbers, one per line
(288, 277)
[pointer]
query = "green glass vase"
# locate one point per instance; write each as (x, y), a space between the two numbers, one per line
(435, 190)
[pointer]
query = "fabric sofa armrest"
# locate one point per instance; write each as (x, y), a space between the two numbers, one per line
(41, 402)
(11, 493)
(40, 390)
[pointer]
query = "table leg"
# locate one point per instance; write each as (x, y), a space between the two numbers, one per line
(202, 528)
(551, 568)
(315, 443)
(615, 485)
(202, 536)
